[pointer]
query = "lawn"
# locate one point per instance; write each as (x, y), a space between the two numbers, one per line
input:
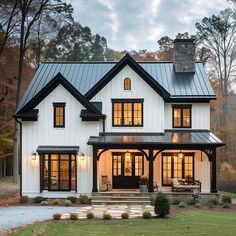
(193, 222)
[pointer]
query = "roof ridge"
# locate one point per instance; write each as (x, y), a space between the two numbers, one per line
(103, 62)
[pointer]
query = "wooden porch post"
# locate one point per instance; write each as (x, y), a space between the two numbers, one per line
(95, 170)
(150, 179)
(213, 171)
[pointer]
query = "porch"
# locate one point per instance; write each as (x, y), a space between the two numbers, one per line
(123, 158)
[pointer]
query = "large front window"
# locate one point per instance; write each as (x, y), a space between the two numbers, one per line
(58, 172)
(127, 112)
(174, 166)
(181, 116)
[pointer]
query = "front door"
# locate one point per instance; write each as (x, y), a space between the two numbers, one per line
(126, 170)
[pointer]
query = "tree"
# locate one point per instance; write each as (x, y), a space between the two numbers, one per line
(76, 43)
(218, 34)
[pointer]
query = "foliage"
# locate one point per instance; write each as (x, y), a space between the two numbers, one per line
(162, 205)
(107, 216)
(191, 201)
(44, 203)
(74, 216)
(39, 199)
(182, 205)
(213, 201)
(84, 199)
(226, 205)
(56, 202)
(226, 199)
(56, 216)
(90, 215)
(125, 215)
(24, 199)
(198, 205)
(68, 203)
(147, 214)
(72, 199)
(176, 201)
(143, 180)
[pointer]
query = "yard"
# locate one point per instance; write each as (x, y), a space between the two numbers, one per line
(192, 222)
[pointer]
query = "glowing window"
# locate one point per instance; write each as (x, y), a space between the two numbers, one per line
(127, 84)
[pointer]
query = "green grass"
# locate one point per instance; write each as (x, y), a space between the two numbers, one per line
(194, 222)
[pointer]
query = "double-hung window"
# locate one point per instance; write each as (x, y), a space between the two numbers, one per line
(181, 116)
(128, 112)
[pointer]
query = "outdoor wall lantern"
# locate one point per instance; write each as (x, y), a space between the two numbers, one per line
(33, 156)
(82, 156)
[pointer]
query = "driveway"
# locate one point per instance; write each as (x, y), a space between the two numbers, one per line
(15, 216)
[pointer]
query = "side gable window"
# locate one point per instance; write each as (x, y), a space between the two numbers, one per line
(181, 116)
(127, 84)
(59, 115)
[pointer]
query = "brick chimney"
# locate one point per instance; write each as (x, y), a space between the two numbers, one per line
(184, 56)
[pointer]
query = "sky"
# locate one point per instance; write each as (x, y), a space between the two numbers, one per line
(138, 24)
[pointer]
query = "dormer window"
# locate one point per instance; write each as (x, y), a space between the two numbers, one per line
(181, 116)
(127, 84)
(59, 115)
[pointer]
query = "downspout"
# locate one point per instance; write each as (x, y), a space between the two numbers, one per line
(20, 155)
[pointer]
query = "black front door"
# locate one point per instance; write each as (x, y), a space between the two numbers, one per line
(126, 170)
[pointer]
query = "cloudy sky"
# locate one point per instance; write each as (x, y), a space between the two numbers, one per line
(138, 24)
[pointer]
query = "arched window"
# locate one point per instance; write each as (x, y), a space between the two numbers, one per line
(127, 84)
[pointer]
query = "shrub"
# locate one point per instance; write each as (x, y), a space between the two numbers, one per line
(176, 201)
(213, 201)
(57, 216)
(226, 205)
(39, 199)
(182, 205)
(44, 203)
(191, 201)
(72, 199)
(68, 203)
(162, 205)
(74, 216)
(107, 216)
(226, 199)
(147, 214)
(55, 202)
(125, 215)
(83, 199)
(90, 215)
(24, 199)
(197, 205)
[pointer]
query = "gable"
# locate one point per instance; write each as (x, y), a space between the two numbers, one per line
(55, 82)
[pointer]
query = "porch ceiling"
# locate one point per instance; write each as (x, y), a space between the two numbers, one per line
(169, 139)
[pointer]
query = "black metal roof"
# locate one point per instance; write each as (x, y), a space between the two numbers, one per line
(83, 76)
(170, 138)
(58, 149)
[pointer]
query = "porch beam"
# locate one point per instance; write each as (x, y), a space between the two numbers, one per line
(150, 179)
(213, 171)
(95, 170)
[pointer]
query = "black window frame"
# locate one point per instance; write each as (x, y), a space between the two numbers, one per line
(127, 79)
(42, 164)
(181, 107)
(172, 154)
(132, 101)
(55, 106)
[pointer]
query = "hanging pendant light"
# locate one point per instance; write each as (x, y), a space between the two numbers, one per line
(180, 155)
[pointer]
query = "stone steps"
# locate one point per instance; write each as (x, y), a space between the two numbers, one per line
(110, 198)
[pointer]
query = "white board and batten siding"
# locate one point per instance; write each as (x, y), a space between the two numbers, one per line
(42, 132)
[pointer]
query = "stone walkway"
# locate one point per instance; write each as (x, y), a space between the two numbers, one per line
(114, 210)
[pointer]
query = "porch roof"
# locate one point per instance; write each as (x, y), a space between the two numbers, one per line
(169, 139)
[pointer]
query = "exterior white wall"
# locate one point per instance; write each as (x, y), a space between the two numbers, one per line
(200, 115)
(42, 132)
(153, 106)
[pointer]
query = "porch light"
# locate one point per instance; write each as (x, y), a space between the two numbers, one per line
(127, 155)
(180, 155)
(81, 156)
(33, 156)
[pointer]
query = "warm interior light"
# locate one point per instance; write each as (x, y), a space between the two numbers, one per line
(33, 156)
(81, 156)
(180, 155)
(127, 155)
